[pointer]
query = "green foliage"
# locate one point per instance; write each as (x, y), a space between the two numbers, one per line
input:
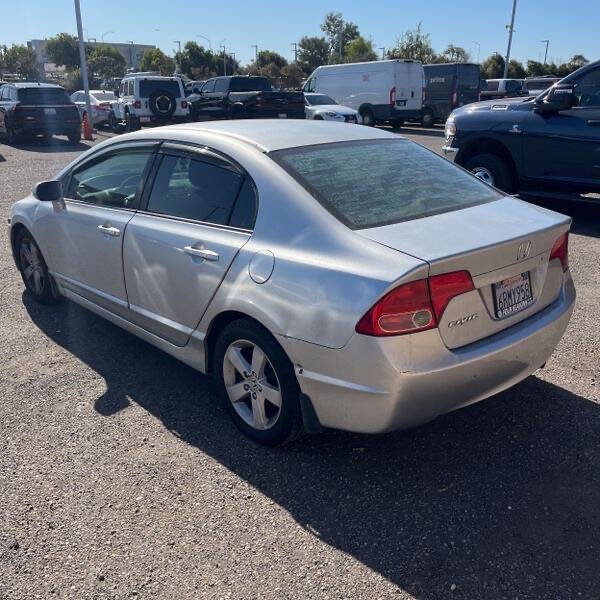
(292, 76)
(155, 59)
(359, 50)
(20, 59)
(492, 67)
(337, 30)
(63, 49)
(453, 53)
(197, 62)
(106, 62)
(516, 70)
(414, 44)
(266, 57)
(312, 53)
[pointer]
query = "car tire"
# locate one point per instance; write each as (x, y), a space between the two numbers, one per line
(34, 271)
(74, 137)
(132, 123)
(113, 124)
(427, 119)
(491, 169)
(397, 124)
(368, 117)
(317, 118)
(242, 380)
(11, 136)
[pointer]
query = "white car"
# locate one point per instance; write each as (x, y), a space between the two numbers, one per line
(101, 102)
(321, 107)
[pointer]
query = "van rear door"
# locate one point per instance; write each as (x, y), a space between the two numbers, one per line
(410, 81)
(467, 84)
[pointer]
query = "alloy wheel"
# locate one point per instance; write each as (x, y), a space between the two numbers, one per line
(484, 174)
(32, 266)
(252, 384)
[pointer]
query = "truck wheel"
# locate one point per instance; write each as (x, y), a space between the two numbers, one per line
(75, 137)
(397, 123)
(427, 119)
(113, 124)
(368, 117)
(491, 169)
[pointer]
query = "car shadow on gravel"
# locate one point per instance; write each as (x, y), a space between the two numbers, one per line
(49, 145)
(498, 500)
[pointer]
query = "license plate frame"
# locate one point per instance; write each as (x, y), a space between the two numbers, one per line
(145, 119)
(518, 286)
(49, 111)
(282, 116)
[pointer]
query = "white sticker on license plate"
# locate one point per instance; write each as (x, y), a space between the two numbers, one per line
(144, 119)
(49, 111)
(512, 295)
(283, 115)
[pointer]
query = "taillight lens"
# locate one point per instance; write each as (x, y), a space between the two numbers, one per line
(560, 250)
(137, 104)
(184, 104)
(447, 286)
(414, 306)
(406, 309)
(393, 96)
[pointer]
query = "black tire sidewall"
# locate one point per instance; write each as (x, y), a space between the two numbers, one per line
(75, 137)
(368, 113)
(497, 167)
(427, 120)
(289, 422)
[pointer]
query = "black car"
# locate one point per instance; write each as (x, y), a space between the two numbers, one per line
(448, 86)
(37, 108)
(242, 97)
(546, 143)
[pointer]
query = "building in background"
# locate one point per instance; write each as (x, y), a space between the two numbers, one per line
(132, 53)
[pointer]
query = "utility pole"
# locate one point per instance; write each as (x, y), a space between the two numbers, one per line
(177, 68)
(546, 53)
(382, 53)
(478, 50)
(510, 33)
(255, 46)
(130, 54)
(224, 61)
(295, 45)
(84, 73)
(340, 43)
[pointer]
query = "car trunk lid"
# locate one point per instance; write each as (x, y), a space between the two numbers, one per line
(505, 245)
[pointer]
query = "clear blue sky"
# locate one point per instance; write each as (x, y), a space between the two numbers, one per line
(572, 26)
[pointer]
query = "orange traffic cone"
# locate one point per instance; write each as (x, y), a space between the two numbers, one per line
(87, 129)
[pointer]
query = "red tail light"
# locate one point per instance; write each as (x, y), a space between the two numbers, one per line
(415, 306)
(184, 104)
(393, 96)
(560, 250)
(137, 104)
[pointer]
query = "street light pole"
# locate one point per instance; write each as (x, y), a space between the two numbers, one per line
(255, 46)
(382, 53)
(295, 51)
(205, 38)
(478, 50)
(84, 73)
(105, 33)
(510, 33)
(546, 53)
(224, 61)
(130, 54)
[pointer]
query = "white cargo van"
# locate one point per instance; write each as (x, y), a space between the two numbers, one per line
(382, 91)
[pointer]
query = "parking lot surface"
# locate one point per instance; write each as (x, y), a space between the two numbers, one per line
(121, 476)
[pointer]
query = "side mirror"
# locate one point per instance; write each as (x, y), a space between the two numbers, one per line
(559, 98)
(116, 93)
(48, 191)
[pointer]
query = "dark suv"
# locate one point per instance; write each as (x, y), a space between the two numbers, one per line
(546, 143)
(37, 108)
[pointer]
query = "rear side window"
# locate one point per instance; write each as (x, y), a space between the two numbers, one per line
(42, 95)
(149, 86)
(378, 182)
(194, 189)
(492, 86)
(250, 84)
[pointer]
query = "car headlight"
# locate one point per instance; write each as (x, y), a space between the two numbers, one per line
(450, 129)
(331, 114)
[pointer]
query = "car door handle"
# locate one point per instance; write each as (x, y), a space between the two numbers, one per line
(109, 230)
(595, 122)
(201, 253)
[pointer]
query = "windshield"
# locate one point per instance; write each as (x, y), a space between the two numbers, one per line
(249, 84)
(149, 86)
(403, 181)
(43, 95)
(319, 99)
(103, 96)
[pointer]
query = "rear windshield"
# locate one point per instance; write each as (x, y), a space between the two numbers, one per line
(250, 84)
(101, 96)
(149, 86)
(43, 95)
(370, 183)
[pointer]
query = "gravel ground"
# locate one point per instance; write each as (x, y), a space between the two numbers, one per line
(122, 477)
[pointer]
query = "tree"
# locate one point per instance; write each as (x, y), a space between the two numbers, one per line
(155, 59)
(337, 30)
(106, 62)
(197, 62)
(414, 44)
(266, 57)
(516, 70)
(454, 53)
(577, 62)
(312, 53)
(20, 59)
(359, 50)
(492, 67)
(292, 76)
(233, 66)
(62, 50)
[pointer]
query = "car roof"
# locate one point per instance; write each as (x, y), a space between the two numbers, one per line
(274, 134)
(33, 84)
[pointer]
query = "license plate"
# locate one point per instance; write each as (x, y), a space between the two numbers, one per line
(144, 119)
(49, 111)
(283, 115)
(512, 295)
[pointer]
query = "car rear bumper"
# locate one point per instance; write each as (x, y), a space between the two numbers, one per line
(374, 385)
(48, 127)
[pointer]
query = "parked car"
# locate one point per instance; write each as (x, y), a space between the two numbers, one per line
(193, 87)
(534, 86)
(37, 109)
(101, 104)
(551, 142)
(145, 99)
(323, 108)
(448, 86)
(243, 97)
(383, 91)
(502, 88)
(326, 275)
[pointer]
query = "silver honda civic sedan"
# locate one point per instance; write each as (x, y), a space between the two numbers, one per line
(327, 275)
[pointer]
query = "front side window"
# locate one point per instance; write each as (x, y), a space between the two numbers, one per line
(587, 89)
(111, 181)
(194, 189)
(309, 86)
(222, 85)
(378, 182)
(209, 86)
(492, 86)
